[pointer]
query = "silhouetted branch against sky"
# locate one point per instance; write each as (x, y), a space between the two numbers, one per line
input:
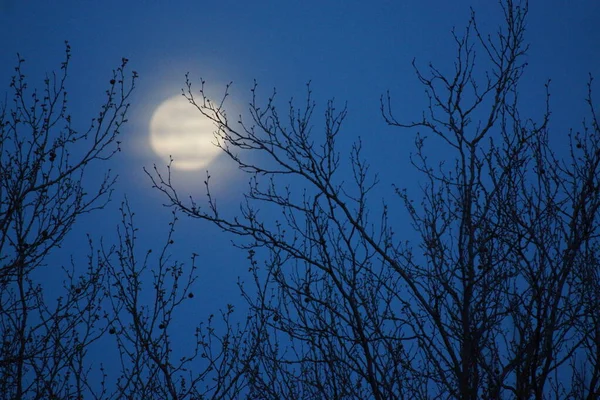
(487, 300)
(430, 232)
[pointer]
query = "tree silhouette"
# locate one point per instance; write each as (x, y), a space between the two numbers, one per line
(493, 294)
(153, 362)
(43, 163)
(47, 341)
(498, 296)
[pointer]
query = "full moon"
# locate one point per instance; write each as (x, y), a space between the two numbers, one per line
(179, 131)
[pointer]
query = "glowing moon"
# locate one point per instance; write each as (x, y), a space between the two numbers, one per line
(180, 131)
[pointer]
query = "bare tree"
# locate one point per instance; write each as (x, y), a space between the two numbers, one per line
(147, 326)
(43, 165)
(498, 296)
(47, 342)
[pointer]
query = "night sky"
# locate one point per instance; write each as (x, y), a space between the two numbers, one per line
(349, 50)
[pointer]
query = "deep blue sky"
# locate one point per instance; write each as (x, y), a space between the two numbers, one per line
(350, 50)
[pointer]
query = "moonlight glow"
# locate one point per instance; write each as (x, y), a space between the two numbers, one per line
(180, 131)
